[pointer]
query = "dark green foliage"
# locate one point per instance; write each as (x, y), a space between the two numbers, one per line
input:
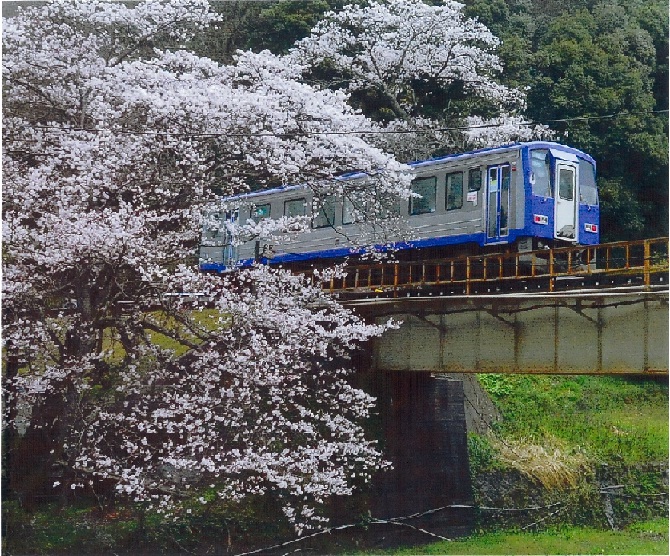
(643, 496)
(621, 214)
(280, 24)
(481, 455)
(54, 530)
(271, 25)
(597, 58)
(84, 528)
(492, 13)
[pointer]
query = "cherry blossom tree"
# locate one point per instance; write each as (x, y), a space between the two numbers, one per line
(418, 67)
(124, 367)
(481, 132)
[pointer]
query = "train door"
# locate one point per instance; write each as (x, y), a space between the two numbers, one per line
(229, 246)
(565, 207)
(497, 212)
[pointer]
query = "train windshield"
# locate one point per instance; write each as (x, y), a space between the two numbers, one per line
(588, 193)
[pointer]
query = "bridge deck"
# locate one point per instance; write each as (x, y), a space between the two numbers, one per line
(643, 262)
(613, 331)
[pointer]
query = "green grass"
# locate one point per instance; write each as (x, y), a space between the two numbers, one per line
(604, 417)
(207, 319)
(84, 528)
(649, 537)
(54, 530)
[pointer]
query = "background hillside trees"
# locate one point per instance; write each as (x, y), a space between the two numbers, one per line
(593, 59)
(601, 63)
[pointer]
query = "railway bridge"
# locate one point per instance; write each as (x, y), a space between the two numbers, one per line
(575, 310)
(622, 330)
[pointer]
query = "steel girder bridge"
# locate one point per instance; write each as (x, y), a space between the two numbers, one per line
(575, 310)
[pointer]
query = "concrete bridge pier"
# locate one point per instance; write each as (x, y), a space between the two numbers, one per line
(422, 423)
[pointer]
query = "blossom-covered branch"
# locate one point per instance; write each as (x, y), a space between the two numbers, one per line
(117, 141)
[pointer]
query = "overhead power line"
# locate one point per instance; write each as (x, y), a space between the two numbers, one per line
(209, 135)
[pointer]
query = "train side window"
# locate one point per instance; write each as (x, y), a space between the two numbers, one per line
(212, 227)
(354, 207)
(588, 193)
(540, 175)
(474, 179)
(347, 211)
(295, 207)
(259, 212)
(426, 187)
(325, 216)
(454, 198)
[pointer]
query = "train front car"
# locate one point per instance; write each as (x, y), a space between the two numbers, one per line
(562, 198)
(519, 197)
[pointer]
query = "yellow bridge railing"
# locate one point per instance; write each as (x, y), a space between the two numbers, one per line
(641, 257)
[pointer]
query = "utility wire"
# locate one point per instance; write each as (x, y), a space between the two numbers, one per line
(209, 135)
(560, 506)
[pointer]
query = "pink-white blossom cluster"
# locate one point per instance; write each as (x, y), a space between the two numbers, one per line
(114, 147)
(504, 129)
(385, 47)
(389, 43)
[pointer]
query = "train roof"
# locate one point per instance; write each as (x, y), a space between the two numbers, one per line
(500, 149)
(433, 162)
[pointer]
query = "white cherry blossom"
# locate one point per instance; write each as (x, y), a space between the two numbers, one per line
(386, 47)
(115, 145)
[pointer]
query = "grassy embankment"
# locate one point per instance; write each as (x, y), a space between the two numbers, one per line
(649, 537)
(575, 421)
(559, 433)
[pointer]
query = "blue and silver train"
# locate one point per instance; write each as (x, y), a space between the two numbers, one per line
(518, 197)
